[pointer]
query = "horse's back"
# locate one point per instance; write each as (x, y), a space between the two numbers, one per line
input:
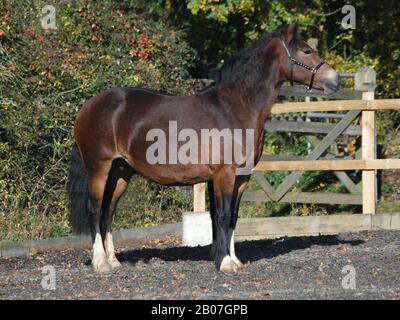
(101, 108)
(105, 124)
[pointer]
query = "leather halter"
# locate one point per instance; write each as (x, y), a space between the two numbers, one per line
(293, 61)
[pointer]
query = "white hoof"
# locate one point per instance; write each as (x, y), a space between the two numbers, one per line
(113, 261)
(228, 265)
(237, 262)
(101, 265)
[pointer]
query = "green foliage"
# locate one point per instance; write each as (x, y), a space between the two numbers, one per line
(220, 28)
(388, 207)
(47, 75)
(146, 204)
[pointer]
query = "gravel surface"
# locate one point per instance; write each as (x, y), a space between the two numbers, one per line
(287, 268)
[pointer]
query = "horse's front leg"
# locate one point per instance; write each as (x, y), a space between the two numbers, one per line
(241, 183)
(224, 220)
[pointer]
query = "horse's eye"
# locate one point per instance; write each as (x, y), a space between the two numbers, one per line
(307, 52)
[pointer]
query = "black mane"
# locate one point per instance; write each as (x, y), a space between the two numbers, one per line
(242, 63)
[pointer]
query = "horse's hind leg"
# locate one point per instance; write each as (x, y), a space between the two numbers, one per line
(117, 182)
(97, 181)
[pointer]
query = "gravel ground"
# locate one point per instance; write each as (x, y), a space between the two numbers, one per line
(287, 268)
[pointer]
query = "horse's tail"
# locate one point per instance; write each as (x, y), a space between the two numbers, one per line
(78, 193)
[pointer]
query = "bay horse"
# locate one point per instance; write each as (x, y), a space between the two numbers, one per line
(111, 138)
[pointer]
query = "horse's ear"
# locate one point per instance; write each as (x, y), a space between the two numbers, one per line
(293, 32)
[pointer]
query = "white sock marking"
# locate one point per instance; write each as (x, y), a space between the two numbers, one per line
(232, 250)
(108, 243)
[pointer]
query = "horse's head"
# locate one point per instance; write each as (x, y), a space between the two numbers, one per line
(301, 63)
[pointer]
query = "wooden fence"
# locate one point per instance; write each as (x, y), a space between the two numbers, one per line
(368, 164)
(363, 105)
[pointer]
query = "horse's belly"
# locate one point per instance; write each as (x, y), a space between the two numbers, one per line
(175, 174)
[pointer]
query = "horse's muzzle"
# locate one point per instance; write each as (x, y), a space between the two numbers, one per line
(332, 84)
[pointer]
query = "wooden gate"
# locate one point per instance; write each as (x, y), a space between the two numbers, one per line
(365, 193)
(364, 85)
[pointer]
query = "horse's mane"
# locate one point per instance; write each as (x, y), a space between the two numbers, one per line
(244, 61)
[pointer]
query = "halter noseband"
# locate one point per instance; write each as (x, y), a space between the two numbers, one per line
(293, 61)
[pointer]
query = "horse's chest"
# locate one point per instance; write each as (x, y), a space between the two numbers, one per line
(259, 145)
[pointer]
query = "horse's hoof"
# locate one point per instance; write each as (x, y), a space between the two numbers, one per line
(228, 265)
(238, 263)
(115, 264)
(101, 265)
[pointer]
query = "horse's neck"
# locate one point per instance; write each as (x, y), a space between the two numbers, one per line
(261, 95)
(249, 96)
(264, 107)
(265, 97)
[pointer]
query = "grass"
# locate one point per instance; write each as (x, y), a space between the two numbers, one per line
(388, 207)
(29, 224)
(144, 204)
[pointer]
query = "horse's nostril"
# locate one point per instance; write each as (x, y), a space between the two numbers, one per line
(331, 85)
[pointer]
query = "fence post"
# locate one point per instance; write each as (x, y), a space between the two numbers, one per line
(365, 80)
(196, 224)
(199, 197)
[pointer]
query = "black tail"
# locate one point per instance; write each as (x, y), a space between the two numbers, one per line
(78, 193)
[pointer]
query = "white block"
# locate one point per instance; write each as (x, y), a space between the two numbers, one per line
(197, 229)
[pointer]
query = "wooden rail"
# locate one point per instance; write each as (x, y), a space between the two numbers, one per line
(328, 165)
(336, 105)
(299, 91)
(308, 127)
(264, 228)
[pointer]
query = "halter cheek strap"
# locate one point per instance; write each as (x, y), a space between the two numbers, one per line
(293, 62)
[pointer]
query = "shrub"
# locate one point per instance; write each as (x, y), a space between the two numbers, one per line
(46, 76)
